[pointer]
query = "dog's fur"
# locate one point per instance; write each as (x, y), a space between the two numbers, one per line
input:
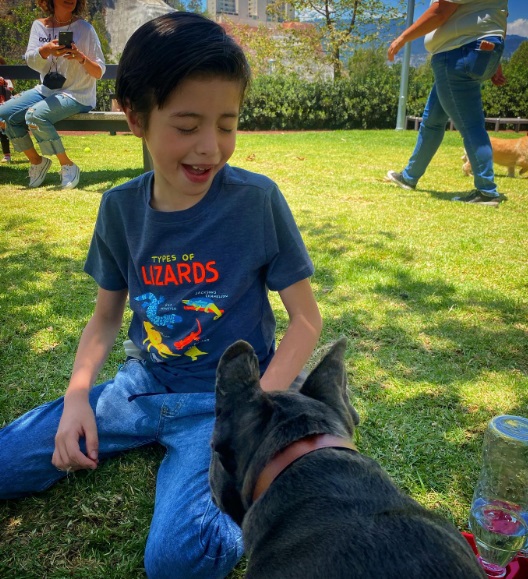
(507, 152)
(333, 513)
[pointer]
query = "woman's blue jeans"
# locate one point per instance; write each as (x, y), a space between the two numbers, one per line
(189, 537)
(459, 75)
(31, 111)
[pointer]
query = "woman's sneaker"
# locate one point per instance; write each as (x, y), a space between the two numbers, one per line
(397, 178)
(478, 198)
(70, 175)
(37, 173)
(6, 159)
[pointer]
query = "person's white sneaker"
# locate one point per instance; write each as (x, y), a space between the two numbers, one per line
(37, 173)
(70, 175)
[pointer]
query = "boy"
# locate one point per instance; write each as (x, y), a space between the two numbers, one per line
(195, 245)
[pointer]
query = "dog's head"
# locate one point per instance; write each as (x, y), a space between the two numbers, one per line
(253, 425)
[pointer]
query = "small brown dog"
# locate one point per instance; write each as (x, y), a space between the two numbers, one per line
(507, 152)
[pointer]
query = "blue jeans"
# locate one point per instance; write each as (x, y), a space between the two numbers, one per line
(189, 537)
(31, 111)
(459, 75)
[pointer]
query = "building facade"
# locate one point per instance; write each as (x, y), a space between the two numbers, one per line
(251, 12)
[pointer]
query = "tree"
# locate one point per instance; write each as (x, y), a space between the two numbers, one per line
(516, 72)
(15, 23)
(509, 100)
(284, 48)
(186, 5)
(344, 23)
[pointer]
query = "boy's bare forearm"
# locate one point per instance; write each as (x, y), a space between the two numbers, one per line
(293, 352)
(300, 338)
(93, 350)
(96, 343)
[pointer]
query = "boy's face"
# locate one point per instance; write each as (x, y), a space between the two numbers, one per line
(190, 139)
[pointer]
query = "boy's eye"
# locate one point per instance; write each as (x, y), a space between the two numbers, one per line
(185, 131)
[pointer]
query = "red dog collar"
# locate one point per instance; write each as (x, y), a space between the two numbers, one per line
(287, 455)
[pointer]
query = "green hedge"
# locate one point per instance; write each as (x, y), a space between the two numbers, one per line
(510, 100)
(358, 102)
(365, 101)
(368, 98)
(290, 103)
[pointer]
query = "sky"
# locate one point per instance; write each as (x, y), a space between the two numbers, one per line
(517, 19)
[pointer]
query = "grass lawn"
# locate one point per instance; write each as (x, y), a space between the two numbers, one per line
(432, 295)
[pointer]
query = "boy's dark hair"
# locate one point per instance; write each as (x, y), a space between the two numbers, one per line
(167, 50)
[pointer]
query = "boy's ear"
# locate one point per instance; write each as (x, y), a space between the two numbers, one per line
(135, 122)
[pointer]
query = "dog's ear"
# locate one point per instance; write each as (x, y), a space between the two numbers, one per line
(223, 490)
(240, 406)
(222, 471)
(328, 383)
(238, 370)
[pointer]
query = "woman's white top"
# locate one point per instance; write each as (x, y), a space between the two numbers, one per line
(79, 85)
(474, 19)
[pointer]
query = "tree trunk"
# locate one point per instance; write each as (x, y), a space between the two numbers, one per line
(336, 61)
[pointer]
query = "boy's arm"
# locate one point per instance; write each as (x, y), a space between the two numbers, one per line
(78, 420)
(299, 340)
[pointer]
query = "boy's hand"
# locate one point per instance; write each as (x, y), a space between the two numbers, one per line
(78, 421)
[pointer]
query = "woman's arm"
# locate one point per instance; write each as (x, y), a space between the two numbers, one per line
(88, 53)
(300, 338)
(430, 20)
(90, 66)
(37, 53)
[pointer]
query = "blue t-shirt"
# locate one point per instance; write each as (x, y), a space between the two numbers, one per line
(198, 279)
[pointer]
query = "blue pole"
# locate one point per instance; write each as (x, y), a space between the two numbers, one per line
(404, 80)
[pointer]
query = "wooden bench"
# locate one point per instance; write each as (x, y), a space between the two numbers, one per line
(497, 122)
(98, 121)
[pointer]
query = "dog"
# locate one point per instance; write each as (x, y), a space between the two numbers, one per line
(310, 505)
(507, 152)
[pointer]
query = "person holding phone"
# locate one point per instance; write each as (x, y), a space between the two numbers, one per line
(68, 75)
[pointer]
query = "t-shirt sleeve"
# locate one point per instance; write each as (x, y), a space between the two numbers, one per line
(102, 261)
(32, 56)
(94, 49)
(288, 259)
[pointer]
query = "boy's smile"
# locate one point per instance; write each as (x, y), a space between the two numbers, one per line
(190, 139)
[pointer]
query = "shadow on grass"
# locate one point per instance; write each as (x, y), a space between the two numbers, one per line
(108, 177)
(44, 302)
(429, 440)
(443, 196)
(467, 334)
(430, 443)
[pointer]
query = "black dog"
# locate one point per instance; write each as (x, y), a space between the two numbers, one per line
(311, 506)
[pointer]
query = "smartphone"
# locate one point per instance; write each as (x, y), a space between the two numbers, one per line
(66, 38)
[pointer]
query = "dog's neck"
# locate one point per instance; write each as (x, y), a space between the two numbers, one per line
(291, 453)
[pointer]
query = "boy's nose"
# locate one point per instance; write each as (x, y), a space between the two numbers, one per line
(208, 143)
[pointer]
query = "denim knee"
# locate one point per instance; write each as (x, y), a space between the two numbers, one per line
(181, 563)
(211, 557)
(32, 120)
